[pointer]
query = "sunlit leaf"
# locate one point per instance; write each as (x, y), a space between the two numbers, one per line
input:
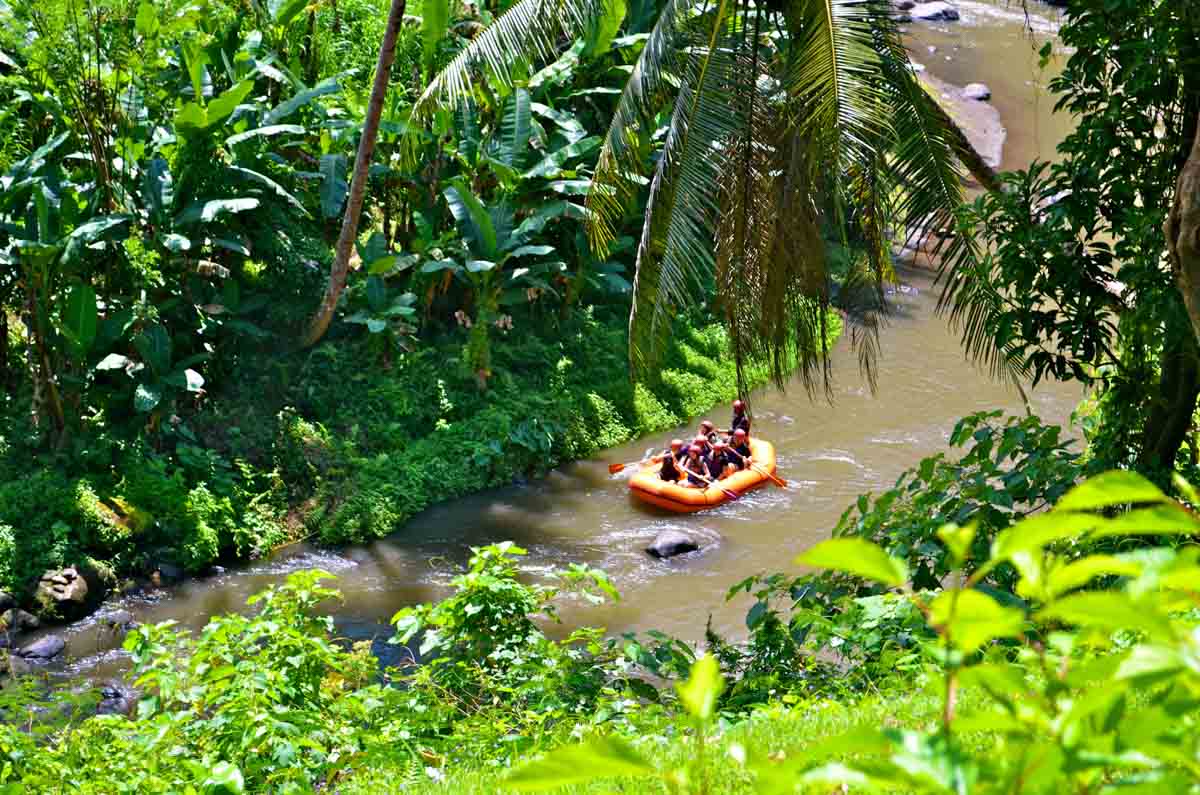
(598, 758)
(856, 556)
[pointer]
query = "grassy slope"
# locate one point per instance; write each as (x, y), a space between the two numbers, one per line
(806, 734)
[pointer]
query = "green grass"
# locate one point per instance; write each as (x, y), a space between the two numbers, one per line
(804, 734)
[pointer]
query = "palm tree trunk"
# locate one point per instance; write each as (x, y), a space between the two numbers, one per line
(1182, 229)
(358, 185)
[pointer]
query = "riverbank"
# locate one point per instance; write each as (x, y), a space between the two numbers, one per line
(331, 447)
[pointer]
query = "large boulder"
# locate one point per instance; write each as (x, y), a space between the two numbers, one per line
(43, 649)
(7, 601)
(66, 593)
(934, 12)
(670, 543)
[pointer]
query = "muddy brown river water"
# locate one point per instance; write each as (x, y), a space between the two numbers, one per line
(829, 452)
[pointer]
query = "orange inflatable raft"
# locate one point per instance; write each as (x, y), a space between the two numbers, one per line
(648, 487)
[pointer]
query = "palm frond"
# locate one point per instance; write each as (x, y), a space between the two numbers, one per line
(617, 180)
(528, 32)
(675, 254)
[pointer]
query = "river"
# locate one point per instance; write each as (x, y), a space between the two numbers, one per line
(829, 452)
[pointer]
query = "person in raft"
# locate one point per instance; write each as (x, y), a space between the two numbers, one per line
(740, 444)
(721, 462)
(740, 420)
(670, 462)
(709, 432)
(705, 445)
(696, 466)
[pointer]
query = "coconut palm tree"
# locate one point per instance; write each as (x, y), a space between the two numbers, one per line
(787, 122)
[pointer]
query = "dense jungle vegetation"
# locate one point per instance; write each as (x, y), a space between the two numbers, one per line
(279, 269)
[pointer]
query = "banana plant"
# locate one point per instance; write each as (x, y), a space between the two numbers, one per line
(493, 240)
(47, 223)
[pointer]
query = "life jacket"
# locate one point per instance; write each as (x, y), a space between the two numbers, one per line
(669, 471)
(744, 452)
(714, 465)
(698, 466)
(739, 421)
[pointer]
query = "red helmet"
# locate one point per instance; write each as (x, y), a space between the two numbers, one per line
(676, 444)
(695, 450)
(739, 406)
(718, 445)
(700, 440)
(706, 425)
(740, 433)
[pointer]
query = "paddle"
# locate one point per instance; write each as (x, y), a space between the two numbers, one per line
(777, 481)
(615, 468)
(732, 495)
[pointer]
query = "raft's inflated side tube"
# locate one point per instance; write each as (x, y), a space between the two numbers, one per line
(647, 486)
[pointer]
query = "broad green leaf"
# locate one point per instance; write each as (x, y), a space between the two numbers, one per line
(1107, 610)
(271, 185)
(552, 164)
(285, 109)
(220, 108)
(195, 58)
(435, 19)
(856, 556)
(146, 397)
(265, 132)
(604, 27)
(704, 686)
(376, 293)
(374, 249)
(531, 251)
(208, 211)
(191, 115)
(146, 21)
(187, 380)
(598, 758)
(1151, 661)
(225, 779)
(80, 318)
(333, 184)
(381, 266)
(1081, 572)
(972, 618)
(515, 129)
(1167, 519)
(158, 189)
(958, 539)
(114, 361)
(479, 265)
(472, 218)
(154, 345)
(1110, 489)
(567, 123)
(284, 11)
(93, 230)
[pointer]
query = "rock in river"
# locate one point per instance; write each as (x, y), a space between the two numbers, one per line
(977, 91)
(116, 699)
(46, 648)
(670, 543)
(934, 12)
(17, 620)
(6, 601)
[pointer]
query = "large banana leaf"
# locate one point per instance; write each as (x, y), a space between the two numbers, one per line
(474, 222)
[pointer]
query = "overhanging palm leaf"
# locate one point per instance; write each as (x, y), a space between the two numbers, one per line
(528, 32)
(769, 150)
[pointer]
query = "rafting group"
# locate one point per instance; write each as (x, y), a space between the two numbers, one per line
(717, 466)
(712, 455)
